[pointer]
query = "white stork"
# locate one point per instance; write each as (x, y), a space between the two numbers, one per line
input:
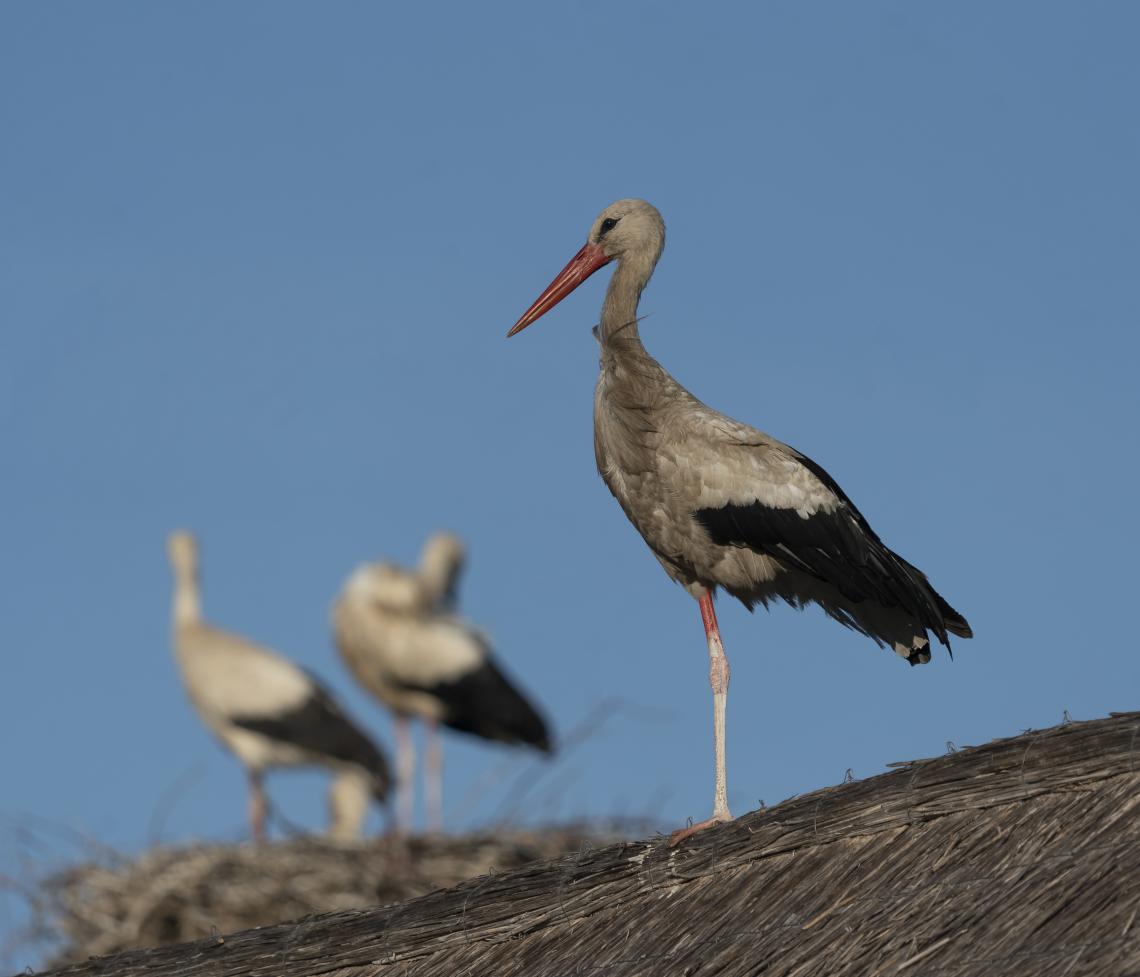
(267, 711)
(722, 504)
(398, 636)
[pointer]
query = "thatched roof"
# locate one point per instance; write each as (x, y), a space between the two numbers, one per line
(1018, 857)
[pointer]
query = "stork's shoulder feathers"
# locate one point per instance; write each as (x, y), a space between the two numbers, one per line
(732, 462)
(436, 649)
(387, 647)
(647, 422)
(229, 675)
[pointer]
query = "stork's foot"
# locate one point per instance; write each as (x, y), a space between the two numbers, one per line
(719, 817)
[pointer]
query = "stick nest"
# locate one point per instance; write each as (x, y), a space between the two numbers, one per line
(173, 894)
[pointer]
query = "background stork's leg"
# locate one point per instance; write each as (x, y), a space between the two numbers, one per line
(718, 679)
(257, 806)
(405, 772)
(433, 777)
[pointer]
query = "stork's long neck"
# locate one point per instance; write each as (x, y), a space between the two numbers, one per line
(187, 598)
(439, 573)
(619, 311)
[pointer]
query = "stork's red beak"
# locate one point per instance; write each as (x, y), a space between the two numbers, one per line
(580, 267)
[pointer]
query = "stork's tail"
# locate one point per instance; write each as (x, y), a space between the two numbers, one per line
(953, 621)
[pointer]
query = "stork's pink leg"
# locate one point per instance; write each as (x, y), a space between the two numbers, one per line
(257, 807)
(718, 679)
(405, 772)
(433, 777)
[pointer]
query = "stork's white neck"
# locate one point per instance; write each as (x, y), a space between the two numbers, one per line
(619, 311)
(187, 599)
(440, 564)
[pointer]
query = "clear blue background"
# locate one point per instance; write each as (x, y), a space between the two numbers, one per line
(257, 261)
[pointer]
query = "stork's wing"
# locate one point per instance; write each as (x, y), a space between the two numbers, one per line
(479, 698)
(781, 503)
(319, 726)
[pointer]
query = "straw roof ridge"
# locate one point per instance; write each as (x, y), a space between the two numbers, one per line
(1021, 856)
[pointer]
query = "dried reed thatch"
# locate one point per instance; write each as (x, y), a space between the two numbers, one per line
(1021, 857)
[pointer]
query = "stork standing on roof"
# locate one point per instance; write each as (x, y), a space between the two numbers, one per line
(399, 636)
(722, 504)
(267, 711)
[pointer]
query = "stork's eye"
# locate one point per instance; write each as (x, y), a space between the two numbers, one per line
(608, 225)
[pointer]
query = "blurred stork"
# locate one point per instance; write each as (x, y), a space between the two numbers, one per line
(267, 711)
(399, 636)
(722, 504)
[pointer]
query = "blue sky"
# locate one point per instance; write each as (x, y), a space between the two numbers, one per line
(256, 265)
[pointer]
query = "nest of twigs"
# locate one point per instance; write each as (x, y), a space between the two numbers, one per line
(172, 894)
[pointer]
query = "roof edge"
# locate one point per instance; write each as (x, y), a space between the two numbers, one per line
(1073, 756)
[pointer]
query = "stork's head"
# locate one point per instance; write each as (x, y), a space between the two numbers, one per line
(628, 231)
(628, 227)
